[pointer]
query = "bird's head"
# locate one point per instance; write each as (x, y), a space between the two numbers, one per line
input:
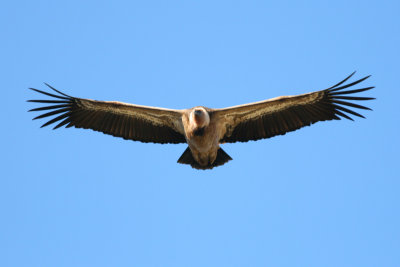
(200, 117)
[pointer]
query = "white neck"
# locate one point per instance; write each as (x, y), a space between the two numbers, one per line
(205, 120)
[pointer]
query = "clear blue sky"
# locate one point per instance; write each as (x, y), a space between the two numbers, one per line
(326, 195)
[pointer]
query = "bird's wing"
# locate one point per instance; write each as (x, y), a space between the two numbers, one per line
(280, 115)
(134, 122)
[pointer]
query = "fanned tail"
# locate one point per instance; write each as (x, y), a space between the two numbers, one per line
(187, 158)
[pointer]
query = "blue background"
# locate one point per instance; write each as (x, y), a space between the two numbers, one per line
(326, 195)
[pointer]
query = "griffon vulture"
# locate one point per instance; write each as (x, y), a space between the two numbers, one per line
(202, 128)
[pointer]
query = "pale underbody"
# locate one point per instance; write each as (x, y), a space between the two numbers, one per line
(202, 136)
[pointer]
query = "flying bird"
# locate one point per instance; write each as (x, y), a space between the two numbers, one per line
(202, 128)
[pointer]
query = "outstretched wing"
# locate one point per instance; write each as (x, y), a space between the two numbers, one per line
(134, 122)
(280, 115)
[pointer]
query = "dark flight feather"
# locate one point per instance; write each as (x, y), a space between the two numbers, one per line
(328, 104)
(107, 118)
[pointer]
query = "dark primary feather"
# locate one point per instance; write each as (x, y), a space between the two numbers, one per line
(332, 104)
(79, 113)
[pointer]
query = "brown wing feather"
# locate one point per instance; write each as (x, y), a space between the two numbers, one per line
(134, 122)
(280, 115)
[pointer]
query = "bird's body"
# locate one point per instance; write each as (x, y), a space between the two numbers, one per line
(202, 128)
(202, 134)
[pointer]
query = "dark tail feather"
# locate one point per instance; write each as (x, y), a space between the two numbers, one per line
(222, 158)
(187, 158)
